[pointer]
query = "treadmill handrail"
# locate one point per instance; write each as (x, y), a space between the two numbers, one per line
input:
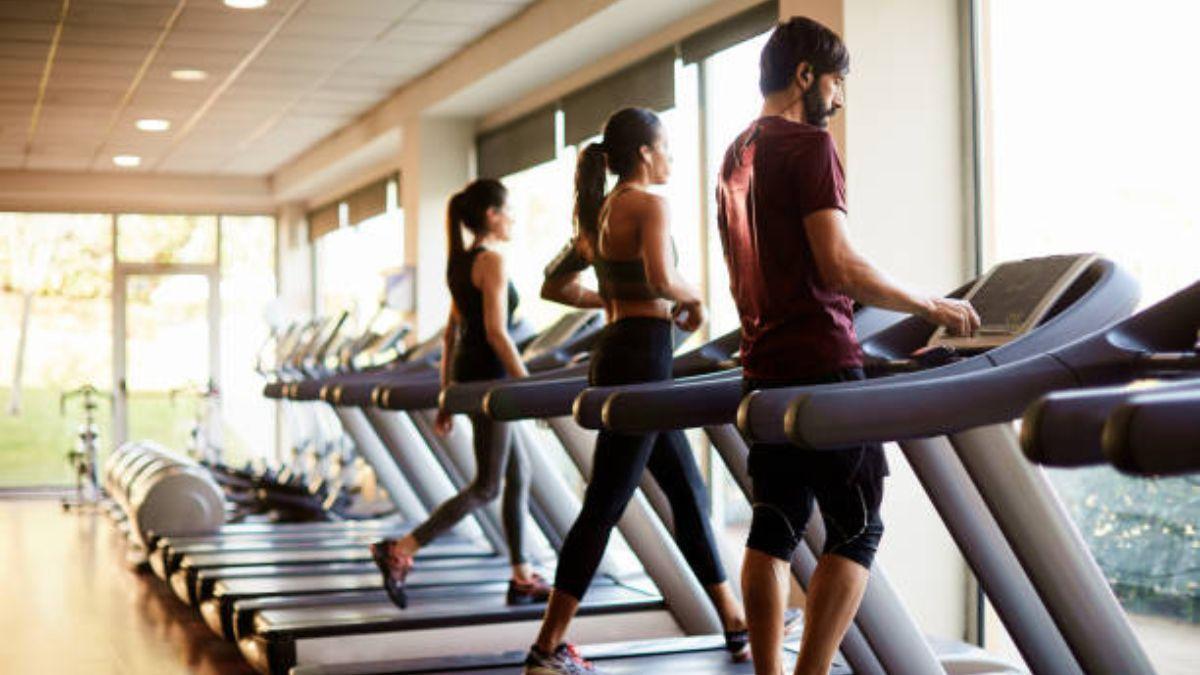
(592, 402)
(550, 397)
(1063, 428)
(710, 359)
(1112, 354)
(877, 411)
(555, 394)
(472, 397)
(988, 388)
(1156, 433)
(701, 401)
(418, 392)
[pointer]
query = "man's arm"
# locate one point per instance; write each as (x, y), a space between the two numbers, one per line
(846, 271)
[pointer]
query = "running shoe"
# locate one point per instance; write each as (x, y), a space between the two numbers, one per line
(395, 568)
(535, 590)
(564, 661)
(737, 642)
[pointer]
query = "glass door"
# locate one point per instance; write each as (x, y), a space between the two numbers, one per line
(165, 354)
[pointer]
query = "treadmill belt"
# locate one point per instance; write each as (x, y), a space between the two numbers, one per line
(452, 610)
(293, 556)
(699, 655)
(465, 573)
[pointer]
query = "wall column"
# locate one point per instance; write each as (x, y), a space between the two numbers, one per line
(436, 161)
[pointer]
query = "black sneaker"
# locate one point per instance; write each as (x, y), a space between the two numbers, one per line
(564, 661)
(737, 642)
(534, 591)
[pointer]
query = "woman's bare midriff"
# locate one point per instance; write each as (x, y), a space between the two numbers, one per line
(646, 309)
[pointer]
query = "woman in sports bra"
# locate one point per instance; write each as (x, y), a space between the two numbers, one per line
(477, 346)
(625, 235)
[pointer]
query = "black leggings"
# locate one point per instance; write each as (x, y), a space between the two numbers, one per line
(496, 457)
(632, 351)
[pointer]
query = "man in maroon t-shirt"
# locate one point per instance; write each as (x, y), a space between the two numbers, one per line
(794, 276)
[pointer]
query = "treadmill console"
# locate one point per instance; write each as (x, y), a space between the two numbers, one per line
(1013, 297)
(561, 331)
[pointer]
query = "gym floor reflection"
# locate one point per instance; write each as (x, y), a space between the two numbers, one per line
(71, 605)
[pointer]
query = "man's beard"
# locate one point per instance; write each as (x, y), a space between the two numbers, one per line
(816, 112)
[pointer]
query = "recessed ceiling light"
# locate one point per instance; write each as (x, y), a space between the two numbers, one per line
(246, 4)
(153, 125)
(127, 161)
(189, 75)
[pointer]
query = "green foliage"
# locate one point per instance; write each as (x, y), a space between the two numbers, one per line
(34, 445)
(1144, 533)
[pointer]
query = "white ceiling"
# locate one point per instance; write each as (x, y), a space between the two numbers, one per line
(280, 78)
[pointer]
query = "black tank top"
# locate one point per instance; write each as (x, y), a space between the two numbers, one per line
(474, 358)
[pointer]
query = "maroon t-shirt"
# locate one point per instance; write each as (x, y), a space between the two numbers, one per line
(775, 174)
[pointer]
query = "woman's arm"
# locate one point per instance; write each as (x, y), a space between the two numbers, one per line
(444, 421)
(658, 256)
(493, 284)
(562, 284)
(567, 290)
(449, 339)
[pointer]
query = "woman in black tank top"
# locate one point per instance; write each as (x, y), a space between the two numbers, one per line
(625, 236)
(477, 346)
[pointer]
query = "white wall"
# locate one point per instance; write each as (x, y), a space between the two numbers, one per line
(435, 162)
(906, 181)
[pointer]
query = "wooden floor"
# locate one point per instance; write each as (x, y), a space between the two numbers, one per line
(69, 605)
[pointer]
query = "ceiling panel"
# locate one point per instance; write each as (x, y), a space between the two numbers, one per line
(329, 62)
(118, 14)
(39, 31)
(215, 17)
(371, 9)
(482, 14)
(27, 10)
(208, 39)
(427, 32)
(22, 49)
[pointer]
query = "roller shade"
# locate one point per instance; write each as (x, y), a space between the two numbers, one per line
(737, 28)
(322, 221)
(368, 201)
(647, 84)
(516, 146)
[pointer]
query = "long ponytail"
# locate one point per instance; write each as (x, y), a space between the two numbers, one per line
(468, 209)
(454, 233)
(625, 133)
(590, 173)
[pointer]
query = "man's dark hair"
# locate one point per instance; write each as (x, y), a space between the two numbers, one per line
(800, 39)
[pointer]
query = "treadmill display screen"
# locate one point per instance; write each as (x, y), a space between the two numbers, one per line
(1014, 290)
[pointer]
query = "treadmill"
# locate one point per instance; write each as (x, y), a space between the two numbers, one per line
(327, 634)
(710, 399)
(230, 603)
(953, 425)
(421, 473)
(551, 395)
(181, 559)
(1068, 296)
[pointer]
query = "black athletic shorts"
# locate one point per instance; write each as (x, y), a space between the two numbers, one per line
(846, 483)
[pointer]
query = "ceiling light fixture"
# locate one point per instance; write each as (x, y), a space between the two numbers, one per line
(189, 75)
(153, 125)
(127, 161)
(246, 4)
